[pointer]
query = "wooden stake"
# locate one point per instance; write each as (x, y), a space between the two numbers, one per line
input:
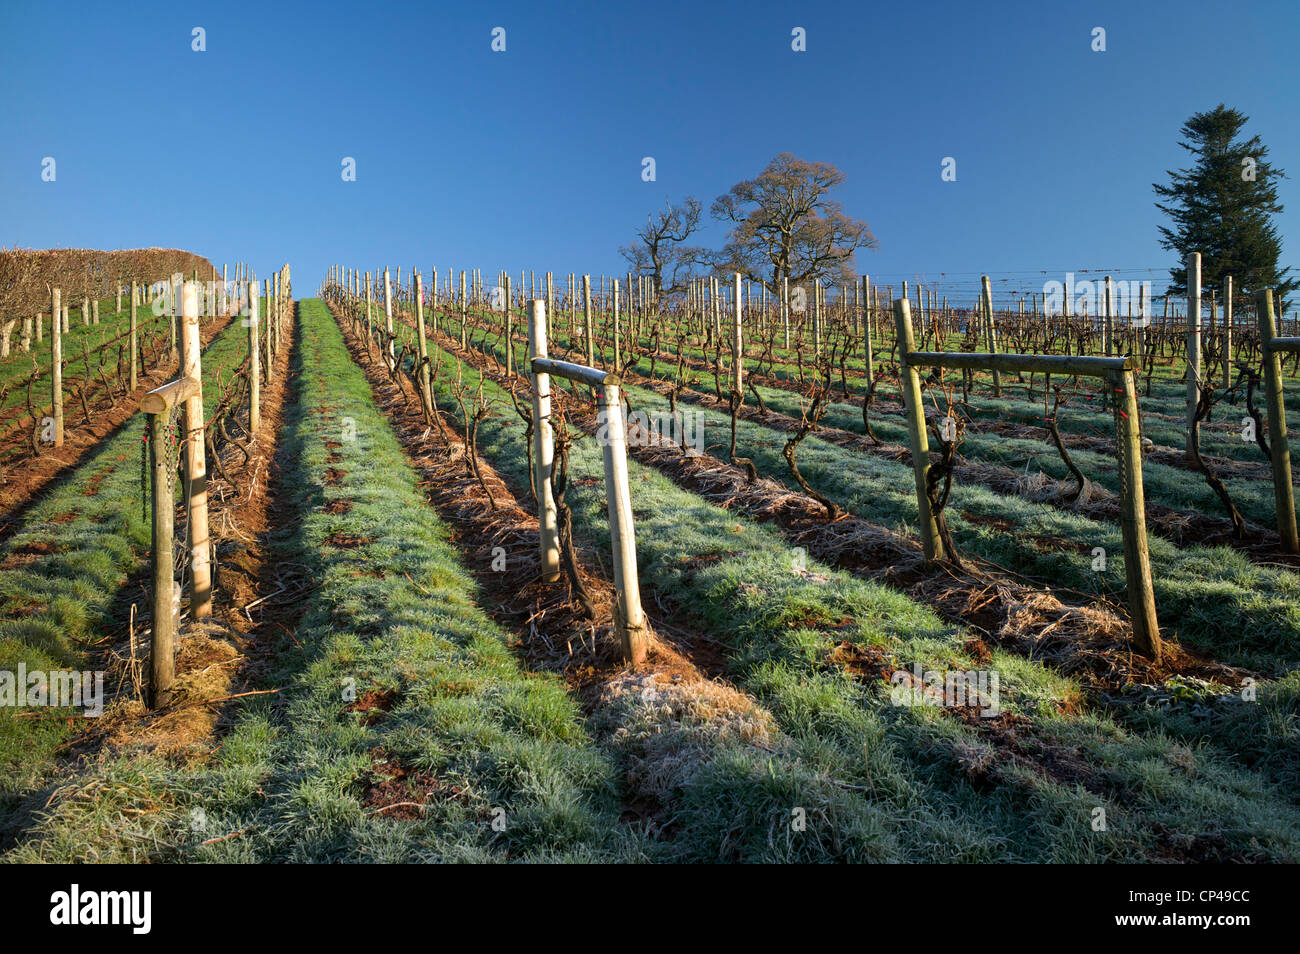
(918, 440)
(1193, 355)
(614, 365)
(543, 444)
(1137, 559)
(629, 617)
(134, 341)
(586, 321)
(510, 327)
(866, 328)
(196, 458)
(388, 314)
(254, 364)
(162, 652)
(56, 367)
(738, 344)
(1227, 331)
(986, 299)
(785, 309)
(426, 395)
(1283, 493)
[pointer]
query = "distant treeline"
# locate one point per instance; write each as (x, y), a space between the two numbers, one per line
(27, 275)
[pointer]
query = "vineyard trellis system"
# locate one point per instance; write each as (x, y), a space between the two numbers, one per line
(629, 318)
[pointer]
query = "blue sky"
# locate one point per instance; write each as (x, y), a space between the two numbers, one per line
(531, 158)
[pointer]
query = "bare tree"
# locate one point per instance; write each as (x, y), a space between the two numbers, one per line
(786, 226)
(661, 252)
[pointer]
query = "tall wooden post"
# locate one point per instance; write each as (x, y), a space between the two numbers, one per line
(56, 366)
(990, 329)
(738, 344)
(543, 444)
(715, 309)
(254, 363)
(785, 309)
(866, 329)
(426, 395)
(388, 313)
(1283, 493)
(276, 295)
(614, 365)
(370, 309)
(1108, 319)
(272, 348)
(134, 340)
(464, 341)
(1137, 559)
(1193, 345)
(629, 617)
(587, 330)
(510, 327)
(1227, 331)
(162, 651)
(196, 470)
(918, 440)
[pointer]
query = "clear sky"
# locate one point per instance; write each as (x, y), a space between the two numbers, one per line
(532, 158)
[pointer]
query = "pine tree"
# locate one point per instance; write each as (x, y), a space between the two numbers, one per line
(1223, 206)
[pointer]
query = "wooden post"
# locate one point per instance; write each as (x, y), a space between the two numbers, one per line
(588, 331)
(370, 310)
(254, 364)
(1137, 560)
(543, 444)
(510, 328)
(918, 440)
(1227, 331)
(158, 405)
(715, 309)
(56, 366)
(866, 329)
(279, 307)
(1108, 319)
(269, 334)
(388, 313)
(738, 344)
(1283, 493)
(134, 341)
(426, 395)
(196, 470)
(1193, 345)
(817, 317)
(628, 617)
(616, 296)
(986, 300)
(785, 309)
(463, 306)
(162, 652)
